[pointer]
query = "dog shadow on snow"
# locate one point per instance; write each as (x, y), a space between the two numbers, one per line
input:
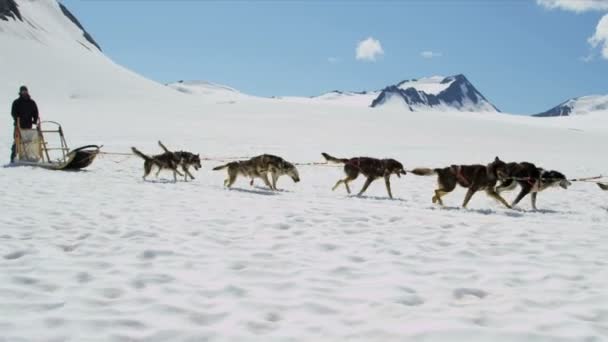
(378, 198)
(515, 212)
(161, 181)
(261, 188)
(511, 213)
(255, 191)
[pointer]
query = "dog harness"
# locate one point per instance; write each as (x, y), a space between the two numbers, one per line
(459, 175)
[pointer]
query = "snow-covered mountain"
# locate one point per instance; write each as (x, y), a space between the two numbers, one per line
(46, 48)
(43, 19)
(578, 106)
(437, 93)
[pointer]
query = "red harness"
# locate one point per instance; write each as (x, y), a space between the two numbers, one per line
(460, 176)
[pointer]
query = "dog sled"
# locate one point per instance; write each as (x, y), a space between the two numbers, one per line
(33, 149)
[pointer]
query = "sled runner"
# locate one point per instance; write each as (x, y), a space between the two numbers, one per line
(34, 150)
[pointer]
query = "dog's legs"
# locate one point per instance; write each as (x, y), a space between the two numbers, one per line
(337, 184)
(147, 169)
(275, 177)
(492, 193)
(345, 181)
(468, 196)
(368, 181)
(438, 194)
(230, 180)
(387, 182)
(266, 181)
(533, 198)
(522, 194)
(506, 185)
(187, 173)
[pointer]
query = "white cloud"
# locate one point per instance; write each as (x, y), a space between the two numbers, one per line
(599, 40)
(369, 49)
(430, 54)
(577, 6)
(600, 37)
(333, 60)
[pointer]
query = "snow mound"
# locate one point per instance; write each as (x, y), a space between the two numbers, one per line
(209, 91)
(336, 98)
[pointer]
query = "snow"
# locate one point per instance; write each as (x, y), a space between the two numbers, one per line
(589, 104)
(335, 98)
(429, 85)
(101, 255)
(208, 90)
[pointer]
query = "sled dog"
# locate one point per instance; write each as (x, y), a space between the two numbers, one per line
(371, 168)
(186, 159)
(260, 167)
(165, 161)
(531, 180)
(472, 177)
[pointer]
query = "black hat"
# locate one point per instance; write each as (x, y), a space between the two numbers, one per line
(22, 88)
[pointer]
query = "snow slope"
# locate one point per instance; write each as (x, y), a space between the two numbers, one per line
(208, 91)
(48, 52)
(336, 98)
(101, 255)
(579, 106)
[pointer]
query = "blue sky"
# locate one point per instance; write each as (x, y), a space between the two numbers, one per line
(523, 57)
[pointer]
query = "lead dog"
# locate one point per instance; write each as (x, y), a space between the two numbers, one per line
(260, 167)
(530, 178)
(371, 168)
(186, 159)
(472, 177)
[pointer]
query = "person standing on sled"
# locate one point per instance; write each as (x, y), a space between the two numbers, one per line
(24, 113)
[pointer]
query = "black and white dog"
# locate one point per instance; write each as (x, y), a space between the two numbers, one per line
(531, 179)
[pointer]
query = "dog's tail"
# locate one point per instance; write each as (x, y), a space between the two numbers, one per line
(423, 171)
(140, 154)
(221, 167)
(163, 147)
(333, 159)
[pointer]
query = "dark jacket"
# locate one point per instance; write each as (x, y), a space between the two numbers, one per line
(26, 110)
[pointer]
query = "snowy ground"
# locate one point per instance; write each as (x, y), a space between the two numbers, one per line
(101, 255)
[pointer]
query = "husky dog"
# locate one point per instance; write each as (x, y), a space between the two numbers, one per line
(260, 167)
(186, 159)
(277, 167)
(531, 180)
(473, 177)
(165, 161)
(371, 168)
